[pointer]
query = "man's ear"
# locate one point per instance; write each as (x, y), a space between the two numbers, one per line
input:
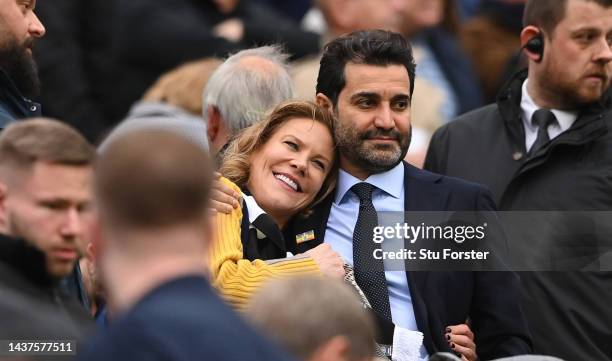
(529, 34)
(335, 349)
(214, 123)
(324, 102)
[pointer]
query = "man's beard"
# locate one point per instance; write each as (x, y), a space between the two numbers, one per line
(568, 95)
(17, 228)
(19, 64)
(374, 158)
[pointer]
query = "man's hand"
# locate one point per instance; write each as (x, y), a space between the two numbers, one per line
(330, 263)
(223, 199)
(461, 340)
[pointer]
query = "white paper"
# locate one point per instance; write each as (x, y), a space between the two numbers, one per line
(406, 344)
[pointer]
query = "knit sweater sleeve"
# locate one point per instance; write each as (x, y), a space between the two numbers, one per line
(237, 279)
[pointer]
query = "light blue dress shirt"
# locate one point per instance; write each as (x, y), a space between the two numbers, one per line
(387, 196)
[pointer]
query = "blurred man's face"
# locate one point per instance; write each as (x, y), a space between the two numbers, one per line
(49, 206)
(19, 27)
(418, 15)
(353, 15)
(577, 65)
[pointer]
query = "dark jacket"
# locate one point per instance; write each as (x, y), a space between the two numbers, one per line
(181, 320)
(31, 298)
(569, 312)
(13, 105)
(443, 298)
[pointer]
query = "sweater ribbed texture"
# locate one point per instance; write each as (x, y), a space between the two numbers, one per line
(236, 278)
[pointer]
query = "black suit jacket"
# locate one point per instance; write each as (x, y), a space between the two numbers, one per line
(442, 298)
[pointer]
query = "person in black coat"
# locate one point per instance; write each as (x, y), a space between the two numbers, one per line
(19, 29)
(561, 162)
(45, 174)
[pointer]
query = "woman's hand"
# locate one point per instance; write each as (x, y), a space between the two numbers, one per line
(329, 261)
(223, 198)
(461, 340)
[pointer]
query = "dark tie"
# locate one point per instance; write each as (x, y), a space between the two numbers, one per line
(369, 272)
(542, 118)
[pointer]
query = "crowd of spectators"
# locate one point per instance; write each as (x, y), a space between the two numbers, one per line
(203, 179)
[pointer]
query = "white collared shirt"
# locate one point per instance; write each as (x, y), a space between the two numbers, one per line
(565, 119)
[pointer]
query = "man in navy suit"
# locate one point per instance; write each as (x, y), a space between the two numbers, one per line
(153, 240)
(367, 79)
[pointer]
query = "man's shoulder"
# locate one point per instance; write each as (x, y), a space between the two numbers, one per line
(453, 183)
(475, 120)
(432, 191)
(182, 325)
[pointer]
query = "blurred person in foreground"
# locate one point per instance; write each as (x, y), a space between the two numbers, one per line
(241, 90)
(153, 237)
(45, 217)
(315, 319)
(281, 165)
(19, 29)
(545, 146)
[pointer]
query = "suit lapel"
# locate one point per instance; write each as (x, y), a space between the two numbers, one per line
(422, 193)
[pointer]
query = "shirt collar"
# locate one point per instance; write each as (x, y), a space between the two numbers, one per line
(528, 106)
(254, 209)
(386, 181)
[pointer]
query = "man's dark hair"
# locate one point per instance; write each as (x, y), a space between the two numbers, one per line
(371, 47)
(546, 14)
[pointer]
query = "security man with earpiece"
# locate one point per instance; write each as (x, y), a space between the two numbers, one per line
(546, 145)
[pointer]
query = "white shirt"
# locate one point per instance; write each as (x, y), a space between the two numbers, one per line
(565, 119)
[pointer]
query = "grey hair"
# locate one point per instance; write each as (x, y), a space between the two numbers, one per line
(243, 94)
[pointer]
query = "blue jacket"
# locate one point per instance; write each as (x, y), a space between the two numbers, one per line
(182, 320)
(13, 105)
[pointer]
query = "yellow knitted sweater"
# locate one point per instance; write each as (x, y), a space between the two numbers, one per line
(237, 279)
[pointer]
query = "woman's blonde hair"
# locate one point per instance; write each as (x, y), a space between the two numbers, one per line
(236, 163)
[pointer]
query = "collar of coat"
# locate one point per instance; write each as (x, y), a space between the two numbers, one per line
(26, 260)
(590, 122)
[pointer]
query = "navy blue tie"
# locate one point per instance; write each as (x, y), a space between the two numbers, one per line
(369, 271)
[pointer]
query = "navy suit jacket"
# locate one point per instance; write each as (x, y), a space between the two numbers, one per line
(442, 298)
(182, 320)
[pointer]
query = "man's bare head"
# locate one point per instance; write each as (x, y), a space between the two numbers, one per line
(151, 179)
(45, 189)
